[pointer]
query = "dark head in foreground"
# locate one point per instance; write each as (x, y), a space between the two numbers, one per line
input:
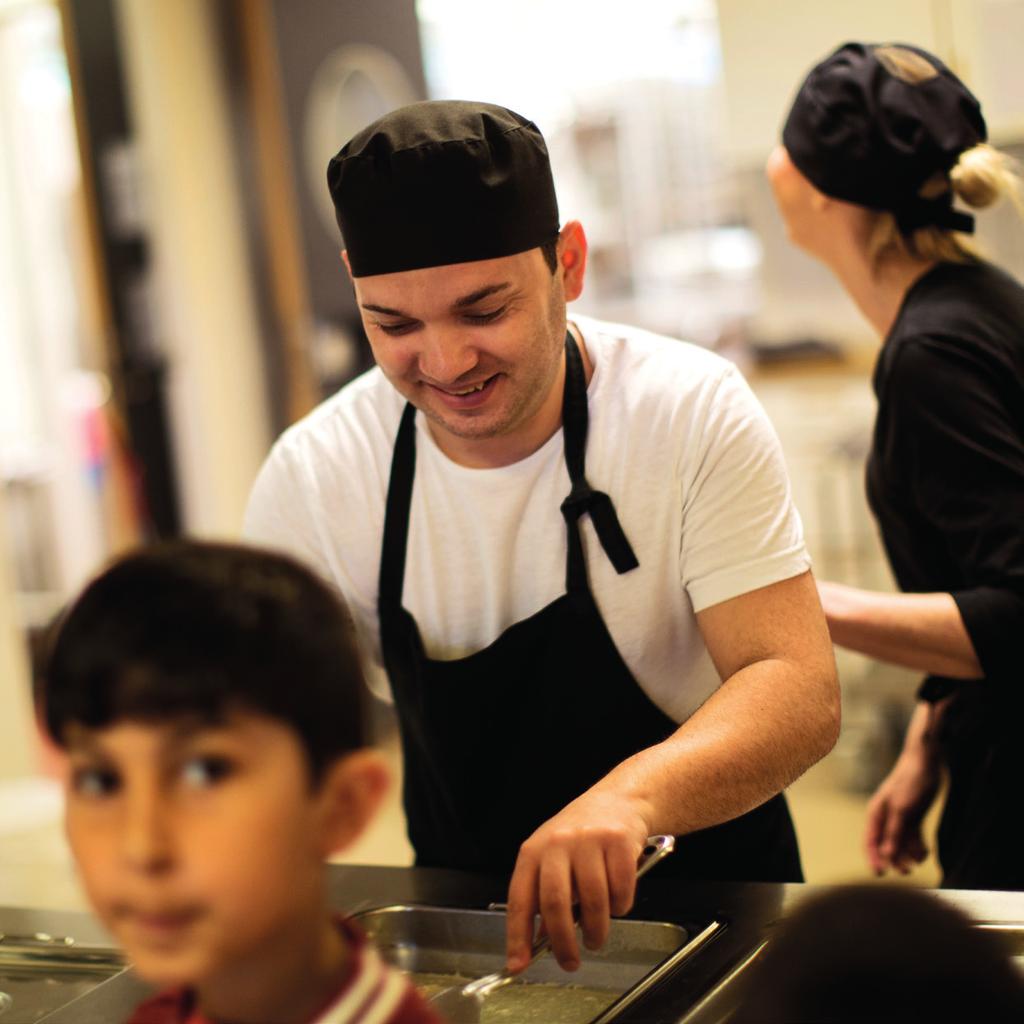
(881, 954)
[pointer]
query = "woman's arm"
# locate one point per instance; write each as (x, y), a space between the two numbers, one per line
(919, 631)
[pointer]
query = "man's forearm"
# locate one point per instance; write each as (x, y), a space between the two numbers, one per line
(759, 731)
(919, 631)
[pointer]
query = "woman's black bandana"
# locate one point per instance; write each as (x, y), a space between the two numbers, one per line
(861, 134)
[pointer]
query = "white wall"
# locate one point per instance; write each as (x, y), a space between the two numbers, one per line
(987, 37)
(207, 313)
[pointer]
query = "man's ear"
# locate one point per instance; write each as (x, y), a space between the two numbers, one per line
(572, 258)
(351, 792)
(348, 266)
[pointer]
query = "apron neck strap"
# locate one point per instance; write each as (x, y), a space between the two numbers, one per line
(575, 414)
(396, 514)
(582, 497)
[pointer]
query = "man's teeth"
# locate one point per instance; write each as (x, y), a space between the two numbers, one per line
(469, 391)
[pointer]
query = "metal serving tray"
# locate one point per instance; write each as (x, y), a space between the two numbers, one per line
(440, 946)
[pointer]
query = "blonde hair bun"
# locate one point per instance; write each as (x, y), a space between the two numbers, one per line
(982, 175)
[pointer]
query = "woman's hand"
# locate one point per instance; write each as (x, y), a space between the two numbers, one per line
(892, 838)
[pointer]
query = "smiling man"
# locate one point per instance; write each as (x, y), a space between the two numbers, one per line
(570, 545)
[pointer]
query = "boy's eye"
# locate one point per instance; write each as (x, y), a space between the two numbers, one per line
(95, 782)
(205, 771)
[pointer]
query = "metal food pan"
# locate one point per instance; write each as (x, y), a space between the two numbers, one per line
(443, 945)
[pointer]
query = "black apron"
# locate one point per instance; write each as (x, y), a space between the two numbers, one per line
(498, 742)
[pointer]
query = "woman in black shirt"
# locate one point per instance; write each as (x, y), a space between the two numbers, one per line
(879, 142)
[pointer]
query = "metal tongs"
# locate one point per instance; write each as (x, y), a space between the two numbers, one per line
(461, 1004)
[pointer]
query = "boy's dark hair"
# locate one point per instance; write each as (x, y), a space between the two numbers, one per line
(192, 628)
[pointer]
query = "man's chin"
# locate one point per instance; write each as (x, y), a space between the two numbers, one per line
(465, 426)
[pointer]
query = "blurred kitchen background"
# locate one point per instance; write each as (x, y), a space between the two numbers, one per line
(171, 295)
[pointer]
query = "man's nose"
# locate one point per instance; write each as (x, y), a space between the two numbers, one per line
(146, 832)
(444, 357)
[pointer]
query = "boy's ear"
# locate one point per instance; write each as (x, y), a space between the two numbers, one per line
(351, 790)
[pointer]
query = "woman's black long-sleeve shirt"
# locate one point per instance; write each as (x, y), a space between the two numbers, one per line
(946, 469)
(946, 483)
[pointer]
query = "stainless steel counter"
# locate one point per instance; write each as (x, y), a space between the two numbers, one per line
(697, 991)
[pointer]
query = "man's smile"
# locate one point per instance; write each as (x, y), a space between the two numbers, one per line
(467, 396)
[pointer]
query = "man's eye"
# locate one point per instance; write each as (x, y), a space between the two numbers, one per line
(95, 782)
(403, 328)
(204, 772)
(485, 318)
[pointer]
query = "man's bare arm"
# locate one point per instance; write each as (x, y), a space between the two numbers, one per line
(776, 713)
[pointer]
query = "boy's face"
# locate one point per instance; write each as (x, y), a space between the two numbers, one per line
(200, 846)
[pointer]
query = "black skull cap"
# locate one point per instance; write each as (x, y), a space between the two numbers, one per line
(441, 182)
(862, 134)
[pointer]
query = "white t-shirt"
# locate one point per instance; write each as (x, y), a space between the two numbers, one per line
(676, 438)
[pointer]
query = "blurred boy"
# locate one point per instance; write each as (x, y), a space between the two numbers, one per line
(210, 700)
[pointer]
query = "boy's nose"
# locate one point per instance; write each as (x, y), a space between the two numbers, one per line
(146, 839)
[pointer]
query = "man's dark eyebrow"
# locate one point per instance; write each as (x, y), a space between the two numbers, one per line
(467, 300)
(370, 308)
(481, 293)
(464, 302)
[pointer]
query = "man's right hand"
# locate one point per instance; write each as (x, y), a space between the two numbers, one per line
(892, 838)
(587, 854)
